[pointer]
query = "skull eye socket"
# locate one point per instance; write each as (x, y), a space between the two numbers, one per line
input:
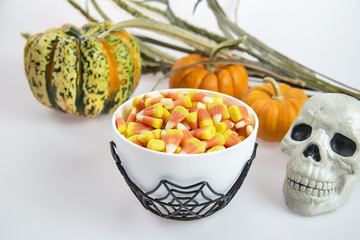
(301, 132)
(342, 145)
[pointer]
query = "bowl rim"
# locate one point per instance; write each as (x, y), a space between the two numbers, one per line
(191, 155)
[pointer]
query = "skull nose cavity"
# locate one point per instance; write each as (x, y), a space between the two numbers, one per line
(312, 151)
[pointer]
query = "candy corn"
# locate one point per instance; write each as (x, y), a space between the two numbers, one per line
(135, 139)
(166, 115)
(138, 103)
(193, 108)
(178, 149)
(192, 119)
(120, 124)
(155, 110)
(152, 101)
(152, 95)
(215, 148)
(204, 118)
(184, 101)
(249, 130)
(217, 140)
(156, 145)
(179, 113)
(187, 135)
(157, 133)
(132, 116)
(238, 112)
(194, 145)
(172, 139)
(226, 114)
(170, 94)
(198, 96)
(151, 121)
(231, 138)
(243, 122)
(135, 128)
(216, 111)
(218, 97)
(245, 131)
(145, 137)
(184, 122)
(223, 126)
(242, 138)
(184, 92)
(204, 133)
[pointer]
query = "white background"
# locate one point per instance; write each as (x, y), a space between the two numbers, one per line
(59, 181)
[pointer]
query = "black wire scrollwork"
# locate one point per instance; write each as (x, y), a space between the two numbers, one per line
(183, 202)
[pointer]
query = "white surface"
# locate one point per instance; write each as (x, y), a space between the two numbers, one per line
(59, 181)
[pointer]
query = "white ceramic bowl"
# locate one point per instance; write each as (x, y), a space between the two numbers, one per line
(146, 168)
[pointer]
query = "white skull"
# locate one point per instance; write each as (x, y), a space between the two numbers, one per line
(323, 145)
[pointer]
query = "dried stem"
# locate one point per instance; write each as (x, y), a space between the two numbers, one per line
(269, 62)
(283, 63)
(98, 9)
(189, 26)
(82, 11)
(167, 45)
(155, 53)
(192, 39)
(132, 11)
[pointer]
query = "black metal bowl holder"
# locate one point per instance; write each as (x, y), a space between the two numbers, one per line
(183, 202)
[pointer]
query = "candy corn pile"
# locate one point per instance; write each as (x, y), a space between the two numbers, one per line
(185, 122)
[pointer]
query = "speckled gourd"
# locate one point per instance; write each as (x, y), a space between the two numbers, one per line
(75, 71)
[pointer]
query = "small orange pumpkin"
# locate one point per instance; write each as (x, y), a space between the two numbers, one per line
(231, 79)
(276, 105)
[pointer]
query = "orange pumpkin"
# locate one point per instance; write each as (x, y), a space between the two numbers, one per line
(277, 106)
(230, 79)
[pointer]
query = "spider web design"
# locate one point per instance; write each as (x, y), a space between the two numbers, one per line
(183, 202)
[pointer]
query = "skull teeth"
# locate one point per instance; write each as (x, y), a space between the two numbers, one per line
(311, 187)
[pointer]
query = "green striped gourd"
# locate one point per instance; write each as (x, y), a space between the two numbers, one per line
(75, 71)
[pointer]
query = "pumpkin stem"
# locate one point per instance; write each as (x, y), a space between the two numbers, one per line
(221, 46)
(275, 85)
(72, 31)
(25, 35)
